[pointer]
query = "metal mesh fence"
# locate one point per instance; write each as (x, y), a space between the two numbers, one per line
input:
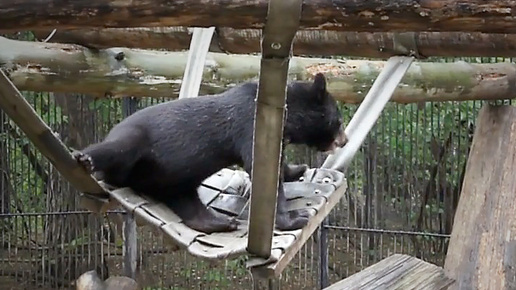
(404, 185)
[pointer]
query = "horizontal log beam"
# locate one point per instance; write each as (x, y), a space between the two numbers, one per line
(53, 67)
(495, 16)
(306, 42)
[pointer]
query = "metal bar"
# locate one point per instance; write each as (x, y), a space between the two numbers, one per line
(389, 232)
(199, 46)
(282, 24)
(369, 111)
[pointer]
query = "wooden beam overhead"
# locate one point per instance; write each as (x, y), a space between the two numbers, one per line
(493, 16)
(306, 42)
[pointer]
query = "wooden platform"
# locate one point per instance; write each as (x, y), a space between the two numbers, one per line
(397, 272)
(228, 191)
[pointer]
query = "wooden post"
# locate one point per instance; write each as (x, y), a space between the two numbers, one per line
(482, 250)
(130, 234)
(323, 254)
(130, 246)
(281, 27)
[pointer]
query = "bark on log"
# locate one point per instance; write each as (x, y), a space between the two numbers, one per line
(169, 38)
(493, 16)
(306, 42)
(482, 250)
(55, 67)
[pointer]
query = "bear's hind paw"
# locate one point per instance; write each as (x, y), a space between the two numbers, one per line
(292, 220)
(84, 160)
(213, 225)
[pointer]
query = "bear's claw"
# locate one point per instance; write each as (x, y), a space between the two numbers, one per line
(84, 160)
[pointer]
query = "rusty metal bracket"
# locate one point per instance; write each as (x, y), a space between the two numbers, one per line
(405, 43)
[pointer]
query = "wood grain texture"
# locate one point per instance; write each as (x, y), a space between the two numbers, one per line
(493, 16)
(113, 72)
(396, 272)
(482, 250)
(306, 42)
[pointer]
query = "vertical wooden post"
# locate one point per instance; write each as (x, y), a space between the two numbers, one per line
(130, 246)
(129, 106)
(280, 29)
(482, 250)
(323, 254)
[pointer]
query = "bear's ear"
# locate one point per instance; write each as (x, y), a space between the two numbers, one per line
(319, 86)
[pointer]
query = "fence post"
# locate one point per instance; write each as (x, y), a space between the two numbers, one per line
(323, 254)
(130, 246)
(129, 106)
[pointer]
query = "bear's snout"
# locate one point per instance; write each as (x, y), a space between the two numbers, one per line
(341, 139)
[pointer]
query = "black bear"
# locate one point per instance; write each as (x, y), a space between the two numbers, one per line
(167, 150)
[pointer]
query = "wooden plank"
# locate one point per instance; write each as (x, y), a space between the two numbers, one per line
(274, 270)
(397, 272)
(482, 250)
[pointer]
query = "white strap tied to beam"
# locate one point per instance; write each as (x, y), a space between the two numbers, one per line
(369, 111)
(199, 46)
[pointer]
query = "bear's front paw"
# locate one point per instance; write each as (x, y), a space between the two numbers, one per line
(294, 172)
(84, 160)
(292, 220)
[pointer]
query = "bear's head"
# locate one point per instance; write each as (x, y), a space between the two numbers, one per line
(313, 117)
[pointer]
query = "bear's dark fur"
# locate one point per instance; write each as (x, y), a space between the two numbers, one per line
(165, 151)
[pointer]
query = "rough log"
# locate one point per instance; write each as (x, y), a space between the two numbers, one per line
(306, 42)
(52, 67)
(397, 272)
(493, 16)
(482, 250)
